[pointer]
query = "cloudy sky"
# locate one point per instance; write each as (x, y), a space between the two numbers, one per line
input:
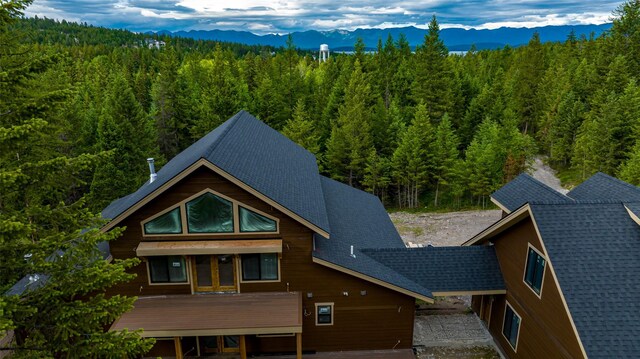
(283, 16)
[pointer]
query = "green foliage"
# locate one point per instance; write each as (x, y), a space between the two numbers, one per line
(301, 130)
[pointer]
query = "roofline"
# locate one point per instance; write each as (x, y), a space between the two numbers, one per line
(555, 279)
(501, 225)
(495, 201)
(632, 215)
(202, 162)
(508, 221)
(373, 280)
(446, 293)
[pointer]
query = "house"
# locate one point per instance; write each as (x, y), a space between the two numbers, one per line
(245, 247)
(570, 265)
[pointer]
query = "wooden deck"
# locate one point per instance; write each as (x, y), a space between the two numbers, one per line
(215, 314)
(360, 354)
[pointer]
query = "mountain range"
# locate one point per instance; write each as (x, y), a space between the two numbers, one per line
(456, 39)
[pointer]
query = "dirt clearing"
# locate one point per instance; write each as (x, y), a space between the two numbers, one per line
(442, 229)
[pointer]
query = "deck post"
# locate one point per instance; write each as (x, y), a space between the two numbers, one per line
(298, 345)
(243, 347)
(176, 341)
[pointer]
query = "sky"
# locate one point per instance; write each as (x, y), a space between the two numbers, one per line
(284, 16)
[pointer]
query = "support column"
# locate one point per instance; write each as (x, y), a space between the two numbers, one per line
(298, 345)
(243, 347)
(178, 344)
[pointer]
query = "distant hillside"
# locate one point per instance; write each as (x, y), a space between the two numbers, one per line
(455, 39)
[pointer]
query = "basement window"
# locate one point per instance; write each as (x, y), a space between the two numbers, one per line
(511, 326)
(324, 313)
(534, 272)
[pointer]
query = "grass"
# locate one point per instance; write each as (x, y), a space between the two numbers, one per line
(404, 229)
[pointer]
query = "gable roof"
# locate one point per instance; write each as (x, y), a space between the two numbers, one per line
(256, 155)
(523, 189)
(358, 219)
(445, 269)
(595, 252)
(601, 186)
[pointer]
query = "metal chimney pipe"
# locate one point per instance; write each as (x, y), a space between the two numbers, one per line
(152, 170)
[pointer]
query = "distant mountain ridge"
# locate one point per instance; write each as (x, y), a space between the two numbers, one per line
(456, 39)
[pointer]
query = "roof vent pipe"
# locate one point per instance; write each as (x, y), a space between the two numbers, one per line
(152, 170)
(352, 254)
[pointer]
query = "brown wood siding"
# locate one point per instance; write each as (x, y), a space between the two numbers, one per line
(381, 319)
(545, 329)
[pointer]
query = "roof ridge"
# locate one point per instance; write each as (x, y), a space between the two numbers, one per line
(233, 120)
(617, 180)
(542, 185)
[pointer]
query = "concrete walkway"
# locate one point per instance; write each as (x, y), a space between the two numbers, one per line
(455, 330)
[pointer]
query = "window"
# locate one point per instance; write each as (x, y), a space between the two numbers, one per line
(534, 270)
(167, 269)
(263, 266)
(253, 222)
(511, 326)
(324, 313)
(168, 223)
(209, 214)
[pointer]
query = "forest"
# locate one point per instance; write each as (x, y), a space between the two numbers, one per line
(81, 108)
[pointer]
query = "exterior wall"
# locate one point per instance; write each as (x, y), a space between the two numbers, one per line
(381, 319)
(545, 328)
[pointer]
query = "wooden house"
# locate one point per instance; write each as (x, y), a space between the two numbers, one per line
(245, 247)
(569, 264)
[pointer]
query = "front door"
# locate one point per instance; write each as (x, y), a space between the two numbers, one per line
(214, 273)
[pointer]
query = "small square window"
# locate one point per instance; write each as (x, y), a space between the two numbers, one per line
(511, 326)
(167, 269)
(324, 313)
(534, 270)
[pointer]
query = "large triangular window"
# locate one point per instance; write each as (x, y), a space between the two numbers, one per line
(168, 223)
(251, 221)
(209, 214)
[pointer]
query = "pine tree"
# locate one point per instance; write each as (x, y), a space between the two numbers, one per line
(301, 130)
(65, 311)
(413, 161)
(127, 132)
(630, 169)
(350, 142)
(432, 84)
(445, 155)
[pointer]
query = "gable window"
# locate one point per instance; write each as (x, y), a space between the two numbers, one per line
(209, 214)
(251, 221)
(534, 270)
(511, 326)
(324, 313)
(260, 267)
(167, 269)
(168, 223)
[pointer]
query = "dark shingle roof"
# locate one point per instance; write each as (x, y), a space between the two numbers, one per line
(359, 219)
(604, 187)
(257, 155)
(525, 188)
(445, 269)
(595, 251)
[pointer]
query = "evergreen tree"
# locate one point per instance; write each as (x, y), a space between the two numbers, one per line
(350, 142)
(432, 84)
(126, 131)
(301, 130)
(445, 155)
(64, 311)
(413, 160)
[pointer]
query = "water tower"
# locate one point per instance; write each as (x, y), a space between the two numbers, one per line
(323, 56)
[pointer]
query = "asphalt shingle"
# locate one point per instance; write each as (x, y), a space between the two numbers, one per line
(445, 269)
(525, 188)
(601, 186)
(595, 251)
(257, 155)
